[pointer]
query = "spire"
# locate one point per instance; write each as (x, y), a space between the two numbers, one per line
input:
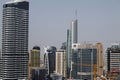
(76, 13)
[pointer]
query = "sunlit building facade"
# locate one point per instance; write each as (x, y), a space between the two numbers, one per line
(60, 67)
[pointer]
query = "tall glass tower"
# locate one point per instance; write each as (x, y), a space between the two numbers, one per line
(15, 40)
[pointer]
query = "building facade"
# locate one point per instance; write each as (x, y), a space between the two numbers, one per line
(34, 57)
(68, 53)
(15, 40)
(100, 59)
(34, 60)
(49, 58)
(86, 62)
(60, 67)
(74, 31)
(113, 60)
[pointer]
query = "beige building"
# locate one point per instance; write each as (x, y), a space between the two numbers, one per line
(100, 60)
(34, 60)
(60, 67)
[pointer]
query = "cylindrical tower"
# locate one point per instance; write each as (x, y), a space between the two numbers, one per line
(15, 40)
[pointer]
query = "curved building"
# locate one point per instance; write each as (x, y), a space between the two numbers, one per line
(15, 40)
(49, 58)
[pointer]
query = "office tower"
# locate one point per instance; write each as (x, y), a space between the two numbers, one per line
(61, 62)
(74, 31)
(49, 58)
(68, 55)
(34, 57)
(15, 40)
(100, 60)
(84, 61)
(113, 60)
(34, 60)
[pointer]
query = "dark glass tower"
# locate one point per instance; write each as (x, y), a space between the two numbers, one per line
(49, 58)
(15, 40)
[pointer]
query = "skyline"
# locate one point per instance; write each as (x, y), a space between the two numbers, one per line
(49, 21)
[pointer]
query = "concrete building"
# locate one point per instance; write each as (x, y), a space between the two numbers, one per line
(15, 22)
(49, 58)
(61, 63)
(86, 62)
(113, 60)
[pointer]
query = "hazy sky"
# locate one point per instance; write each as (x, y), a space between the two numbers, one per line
(98, 20)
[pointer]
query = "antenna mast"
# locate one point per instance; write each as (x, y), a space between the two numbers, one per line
(76, 14)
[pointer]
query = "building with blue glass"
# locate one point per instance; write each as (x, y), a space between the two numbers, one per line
(84, 61)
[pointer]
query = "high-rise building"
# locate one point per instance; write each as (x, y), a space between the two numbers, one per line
(15, 40)
(61, 62)
(49, 58)
(69, 53)
(34, 57)
(74, 31)
(100, 59)
(34, 60)
(113, 60)
(86, 63)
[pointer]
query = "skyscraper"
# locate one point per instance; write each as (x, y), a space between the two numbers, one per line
(49, 58)
(68, 55)
(34, 60)
(34, 57)
(15, 40)
(74, 31)
(100, 59)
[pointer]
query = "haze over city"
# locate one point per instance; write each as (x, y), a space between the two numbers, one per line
(98, 20)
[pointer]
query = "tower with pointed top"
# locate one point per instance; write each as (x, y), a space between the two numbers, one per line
(74, 27)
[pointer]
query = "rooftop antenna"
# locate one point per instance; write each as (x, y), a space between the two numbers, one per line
(76, 14)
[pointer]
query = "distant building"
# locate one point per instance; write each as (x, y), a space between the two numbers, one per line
(61, 62)
(14, 63)
(100, 59)
(34, 60)
(86, 61)
(68, 53)
(34, 57)
(113, 59)
(38, 73)
(49, 58)
(74, 31)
